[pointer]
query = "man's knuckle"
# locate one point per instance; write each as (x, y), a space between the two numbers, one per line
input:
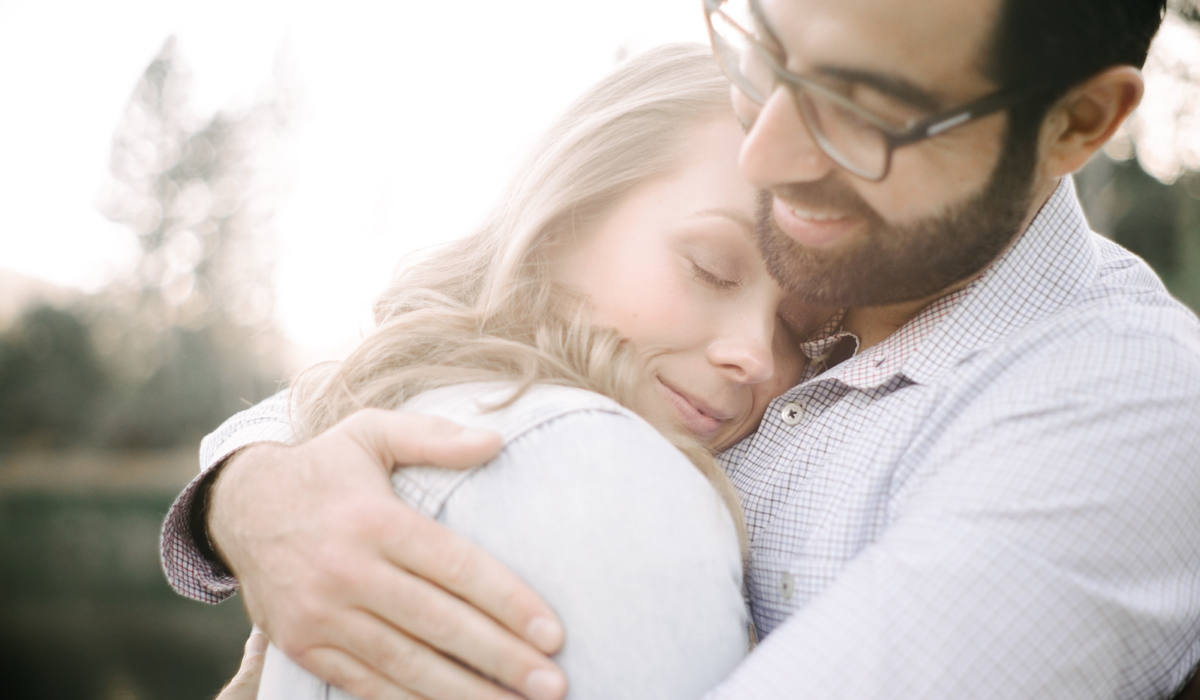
(459, 565)
(309, 658)
(436, 624)
(309, 613)
(356, 682)
(403, 663)
(512, 606)
(362, 520)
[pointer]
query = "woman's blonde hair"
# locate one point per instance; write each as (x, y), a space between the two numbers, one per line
(487, 307)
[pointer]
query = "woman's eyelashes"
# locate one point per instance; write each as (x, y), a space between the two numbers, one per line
(712, 279)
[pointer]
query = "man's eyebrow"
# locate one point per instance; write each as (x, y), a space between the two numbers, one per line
(891, 85)
(733, 215)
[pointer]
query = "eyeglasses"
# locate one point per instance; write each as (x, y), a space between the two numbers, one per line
(851, 136)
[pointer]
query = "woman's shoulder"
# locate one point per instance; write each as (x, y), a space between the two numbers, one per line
(543, 422)
(627, 541)
(491, 405)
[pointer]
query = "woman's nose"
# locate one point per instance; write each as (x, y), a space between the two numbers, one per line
(746, 356)
(779, 149)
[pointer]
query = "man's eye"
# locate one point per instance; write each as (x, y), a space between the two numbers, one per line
(886, 108)
(713, 280)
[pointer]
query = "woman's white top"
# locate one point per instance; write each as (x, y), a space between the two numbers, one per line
(604, 518)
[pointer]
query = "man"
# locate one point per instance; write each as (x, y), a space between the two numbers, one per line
(988, 485)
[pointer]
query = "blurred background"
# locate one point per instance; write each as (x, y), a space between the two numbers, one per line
(198, 199)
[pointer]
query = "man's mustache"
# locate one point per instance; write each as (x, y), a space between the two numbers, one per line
(821, 196)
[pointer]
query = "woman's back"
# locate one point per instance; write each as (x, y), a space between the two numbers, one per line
(603, 517)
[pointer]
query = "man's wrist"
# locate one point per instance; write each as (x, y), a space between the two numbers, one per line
(198, 514)
(201, 524)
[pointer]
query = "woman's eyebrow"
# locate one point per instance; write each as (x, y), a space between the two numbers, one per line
(737, 217)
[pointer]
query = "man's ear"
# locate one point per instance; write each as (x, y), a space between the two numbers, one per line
(1086, 117)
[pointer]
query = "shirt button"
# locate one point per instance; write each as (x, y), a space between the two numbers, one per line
(792, 413)
(787, 585)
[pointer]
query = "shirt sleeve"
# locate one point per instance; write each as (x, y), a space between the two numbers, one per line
(1047, 546)
(188, 570)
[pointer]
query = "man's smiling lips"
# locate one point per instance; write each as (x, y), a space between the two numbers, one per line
(811, 227)
(698, 417)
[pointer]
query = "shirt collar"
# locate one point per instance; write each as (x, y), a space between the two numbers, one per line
(1049, 263)
(825, 340)
(1045, 269)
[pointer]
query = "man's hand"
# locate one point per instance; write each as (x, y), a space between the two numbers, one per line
(363, 591)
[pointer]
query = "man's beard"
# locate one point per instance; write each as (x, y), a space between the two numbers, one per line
(898, 263)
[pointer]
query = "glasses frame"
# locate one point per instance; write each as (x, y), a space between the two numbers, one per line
(915, 132)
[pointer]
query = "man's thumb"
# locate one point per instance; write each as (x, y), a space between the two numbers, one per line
(244, 685)
(256, 646)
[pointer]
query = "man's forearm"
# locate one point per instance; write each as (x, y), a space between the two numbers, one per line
(189, 561)
(200, 514)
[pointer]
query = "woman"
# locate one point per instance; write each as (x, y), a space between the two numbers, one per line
(618, 275)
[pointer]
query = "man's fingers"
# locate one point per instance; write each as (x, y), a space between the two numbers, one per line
(413, 665)
(400, 439)
(252, 656)
(352, 676)
(244, 685)
(349, 605)
(427, 612)
(453, 562)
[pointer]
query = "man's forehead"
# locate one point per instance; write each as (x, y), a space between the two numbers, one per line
(938, 44)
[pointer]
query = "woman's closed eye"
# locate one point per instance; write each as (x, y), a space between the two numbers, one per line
(712, 279)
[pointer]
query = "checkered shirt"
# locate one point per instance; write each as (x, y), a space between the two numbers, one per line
(1001, 500)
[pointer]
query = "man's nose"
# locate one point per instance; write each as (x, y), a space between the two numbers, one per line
(779, 148)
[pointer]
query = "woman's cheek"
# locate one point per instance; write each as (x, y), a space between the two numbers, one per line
(673, 305)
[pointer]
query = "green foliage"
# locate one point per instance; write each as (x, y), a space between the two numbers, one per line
(194, 388)
(56, 391)
(1157, 221)
(50, 379)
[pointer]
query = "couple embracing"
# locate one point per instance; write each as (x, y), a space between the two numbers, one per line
(796, 373)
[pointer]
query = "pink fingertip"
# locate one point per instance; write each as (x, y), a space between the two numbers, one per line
(256, 644)
(546, 634)
(544, 684)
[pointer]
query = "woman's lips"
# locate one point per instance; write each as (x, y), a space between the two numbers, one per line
(695, 418)
(811, 228)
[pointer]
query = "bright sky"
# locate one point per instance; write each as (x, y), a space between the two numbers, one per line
(411, 116)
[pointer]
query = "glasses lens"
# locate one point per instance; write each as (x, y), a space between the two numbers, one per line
(740, 59)
(845, 135)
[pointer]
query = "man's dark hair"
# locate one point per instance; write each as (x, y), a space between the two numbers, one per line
(1049, 46)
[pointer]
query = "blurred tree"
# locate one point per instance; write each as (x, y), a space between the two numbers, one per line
(50, 380)
(188, 334)
(187, 187)
(1158, 221)
(1164, 132)
(1143, 191)
(1187, 9)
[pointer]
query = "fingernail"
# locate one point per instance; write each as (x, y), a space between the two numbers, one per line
(546, 634)
(544, 684)
(256, 644)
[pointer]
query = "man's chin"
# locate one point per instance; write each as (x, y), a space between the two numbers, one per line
(882, 265)
(823, 276)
